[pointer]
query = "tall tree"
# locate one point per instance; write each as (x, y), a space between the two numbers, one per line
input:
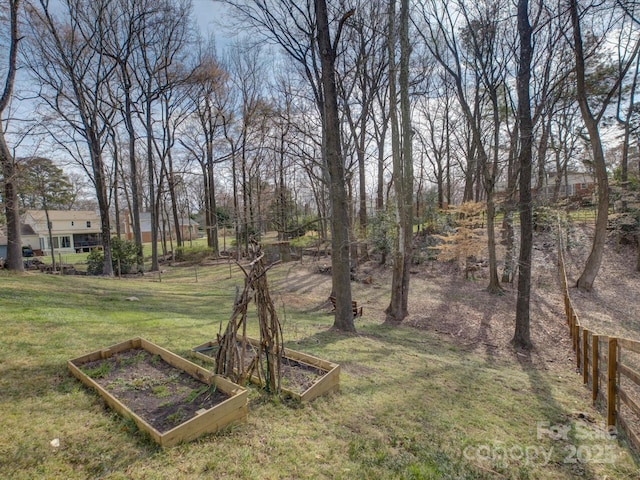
(121, 45)
(209, 98)
(161, 44)
(364, 70)
(591, 121)
(295, 27)
(44, 186)
(475, 46)
(522, 336)
(398, 307)
(8, 162)
(340, 264)
(73, 70)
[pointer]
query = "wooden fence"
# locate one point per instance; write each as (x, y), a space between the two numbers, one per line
(607, 366)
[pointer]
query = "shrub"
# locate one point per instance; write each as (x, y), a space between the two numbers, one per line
(192, 254)
(123, 252)
(468, 240)
(543, 219)
(95, 262)
(382, 233)
(304, 241)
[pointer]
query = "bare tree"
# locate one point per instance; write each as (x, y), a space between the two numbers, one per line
(121, 45)
(209, 98)
(8, 162)
(340, 264)
(298, 28)
(398, 307)
(364, 70)
(161, 43)
(591, 121)
(66, 58)
(476, 45)
(522, 336)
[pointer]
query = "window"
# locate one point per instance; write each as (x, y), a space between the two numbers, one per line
(583, 186)
(88, 224)
(65, 242)
(55, 242)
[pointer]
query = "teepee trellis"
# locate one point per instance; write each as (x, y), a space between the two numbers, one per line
(232, 354)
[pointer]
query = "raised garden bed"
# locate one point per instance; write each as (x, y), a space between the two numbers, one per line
(304, 377)
(168, 397)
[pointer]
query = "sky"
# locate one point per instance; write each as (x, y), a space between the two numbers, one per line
(210, 17)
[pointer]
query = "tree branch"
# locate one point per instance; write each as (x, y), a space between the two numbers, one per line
(344, 18)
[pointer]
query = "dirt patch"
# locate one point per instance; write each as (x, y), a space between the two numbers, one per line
(612, 306)
(463, 312)
(161, 394)
(457, 310)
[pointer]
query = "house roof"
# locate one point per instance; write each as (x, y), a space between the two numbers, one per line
(25, 231)
(62, 215)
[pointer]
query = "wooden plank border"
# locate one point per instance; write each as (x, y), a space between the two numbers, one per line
(329, 382)
(233, 409)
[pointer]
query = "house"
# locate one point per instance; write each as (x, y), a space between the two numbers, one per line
(72, 231)
(27, 235)
(188, 227)
(571, 184)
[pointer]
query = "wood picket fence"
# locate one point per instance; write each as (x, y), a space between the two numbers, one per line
(608, 366)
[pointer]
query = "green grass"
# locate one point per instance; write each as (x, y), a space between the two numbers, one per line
(411, 405)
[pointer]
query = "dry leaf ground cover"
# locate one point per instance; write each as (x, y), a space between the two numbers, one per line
(441, 396)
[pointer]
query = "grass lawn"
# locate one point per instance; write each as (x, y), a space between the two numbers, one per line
(411, 405)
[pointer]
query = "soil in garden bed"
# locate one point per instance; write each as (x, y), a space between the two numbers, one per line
(296, 376)
(164, 396)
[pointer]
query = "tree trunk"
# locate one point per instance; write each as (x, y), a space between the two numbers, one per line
(136, 203)
(11, 204)
(624, 162)
(362, 182)
(394, 310)
(507, 226)
(380, 177)
(398, 307)
(494, 281)
(97, 164)
(50, 233)
(592, 266)
(522, 335)
(10, 190)
(340, 264)
(542, 156)
(151, 174)
(212, 214)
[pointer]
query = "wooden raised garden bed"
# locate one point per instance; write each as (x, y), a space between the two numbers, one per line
(168, 397)
(304, 377)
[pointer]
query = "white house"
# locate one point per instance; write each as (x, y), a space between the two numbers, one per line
(72, 231)
(27, 235)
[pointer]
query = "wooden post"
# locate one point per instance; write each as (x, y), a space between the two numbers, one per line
(595, 373)
(578, 346)
(574, 331)
(611, 382)
(585, 356)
